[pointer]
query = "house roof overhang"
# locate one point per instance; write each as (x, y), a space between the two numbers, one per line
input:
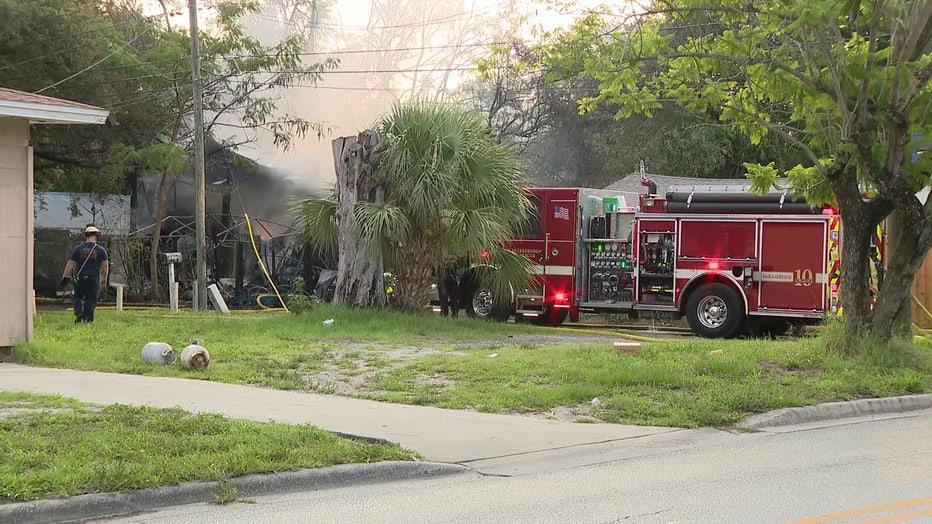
(38, 109)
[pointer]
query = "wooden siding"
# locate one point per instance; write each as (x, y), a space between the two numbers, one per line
(16, 220)
(922, 288)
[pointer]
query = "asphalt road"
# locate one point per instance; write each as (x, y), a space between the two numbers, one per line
(874, 469)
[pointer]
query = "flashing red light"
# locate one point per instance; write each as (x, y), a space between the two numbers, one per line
(559, 297)
(485, 254)
(713, 264)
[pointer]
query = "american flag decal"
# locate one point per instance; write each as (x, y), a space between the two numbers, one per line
(561, 212)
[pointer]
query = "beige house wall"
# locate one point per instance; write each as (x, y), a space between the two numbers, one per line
(16, 226)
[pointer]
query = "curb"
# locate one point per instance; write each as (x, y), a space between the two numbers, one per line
(837, 410)
(83, 507)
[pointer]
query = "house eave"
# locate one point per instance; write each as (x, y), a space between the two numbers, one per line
(52, 114)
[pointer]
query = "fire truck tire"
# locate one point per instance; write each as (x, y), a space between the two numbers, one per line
(715, 311)
(479, 303)
(552, 317)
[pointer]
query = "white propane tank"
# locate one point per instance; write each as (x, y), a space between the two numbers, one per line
(158, 353)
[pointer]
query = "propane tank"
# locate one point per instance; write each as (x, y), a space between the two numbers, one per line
(158, 353)
(195, 356)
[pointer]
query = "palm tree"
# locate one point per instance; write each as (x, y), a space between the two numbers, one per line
(448, 192)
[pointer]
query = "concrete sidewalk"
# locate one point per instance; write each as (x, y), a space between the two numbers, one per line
(440, 435)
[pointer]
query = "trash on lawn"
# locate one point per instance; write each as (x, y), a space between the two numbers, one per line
(493, 355)
(195, 356)
(627, 347)
(596, 402)
(328, 322)
(717, 352)
(158, 353)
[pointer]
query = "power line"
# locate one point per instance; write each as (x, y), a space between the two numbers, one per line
(88, 68)
(442, 20)
(382, 50)
(82, 33)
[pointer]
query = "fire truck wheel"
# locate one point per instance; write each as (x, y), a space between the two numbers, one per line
(479, 303)
(552, 317)
(715, 311)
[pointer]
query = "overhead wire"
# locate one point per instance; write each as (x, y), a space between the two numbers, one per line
(88, 68)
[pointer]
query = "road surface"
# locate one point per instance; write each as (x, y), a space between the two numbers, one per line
(875, 469)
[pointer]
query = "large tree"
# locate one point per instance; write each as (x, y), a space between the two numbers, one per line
(88, 52)
(444, 190)
(535, 103)
(845, 82)
(108, 53)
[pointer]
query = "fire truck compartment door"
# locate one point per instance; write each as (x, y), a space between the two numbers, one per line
(793, 263)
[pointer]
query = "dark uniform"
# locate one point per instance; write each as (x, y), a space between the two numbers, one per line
(88, 257)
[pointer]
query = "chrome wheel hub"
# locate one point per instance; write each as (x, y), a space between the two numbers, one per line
(712, 312)
(482, 302)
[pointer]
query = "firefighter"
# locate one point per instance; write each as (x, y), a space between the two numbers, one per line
(449, 291)
(87, 268)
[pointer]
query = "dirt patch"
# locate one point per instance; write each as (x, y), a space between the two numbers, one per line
(355, 368)
(779, 370)
(332, 381)
(579, 413)
(349, 349)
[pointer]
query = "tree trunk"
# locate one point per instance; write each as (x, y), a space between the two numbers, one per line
(360, 278)
(906, 250)
(165, 187)
(854, 294)
(413, 277)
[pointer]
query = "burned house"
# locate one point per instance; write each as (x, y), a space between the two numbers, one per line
(236, 186)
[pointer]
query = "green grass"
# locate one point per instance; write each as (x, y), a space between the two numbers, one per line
(670, 384)
(430, 360)
(57, 447)
(271, 349)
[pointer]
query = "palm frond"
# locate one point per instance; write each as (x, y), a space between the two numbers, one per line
(458, 189)
(317, 223)
(378, 224)
(514, 272)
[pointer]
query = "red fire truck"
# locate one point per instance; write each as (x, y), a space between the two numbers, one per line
(730, 261)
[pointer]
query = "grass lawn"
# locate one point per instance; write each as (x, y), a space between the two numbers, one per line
(52, 446)
(492, 367)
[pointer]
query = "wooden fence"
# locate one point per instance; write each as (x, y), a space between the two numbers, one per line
(922, 289)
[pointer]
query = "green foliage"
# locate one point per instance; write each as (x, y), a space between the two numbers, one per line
(803, 71)
(450, 191)
(108, 54)
(298, 300)
(453, 183)
(55, 447)
(317, 222)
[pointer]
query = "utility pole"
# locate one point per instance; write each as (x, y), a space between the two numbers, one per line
(201, 198)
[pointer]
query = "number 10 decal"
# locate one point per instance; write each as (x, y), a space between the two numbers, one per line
(803, 277)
